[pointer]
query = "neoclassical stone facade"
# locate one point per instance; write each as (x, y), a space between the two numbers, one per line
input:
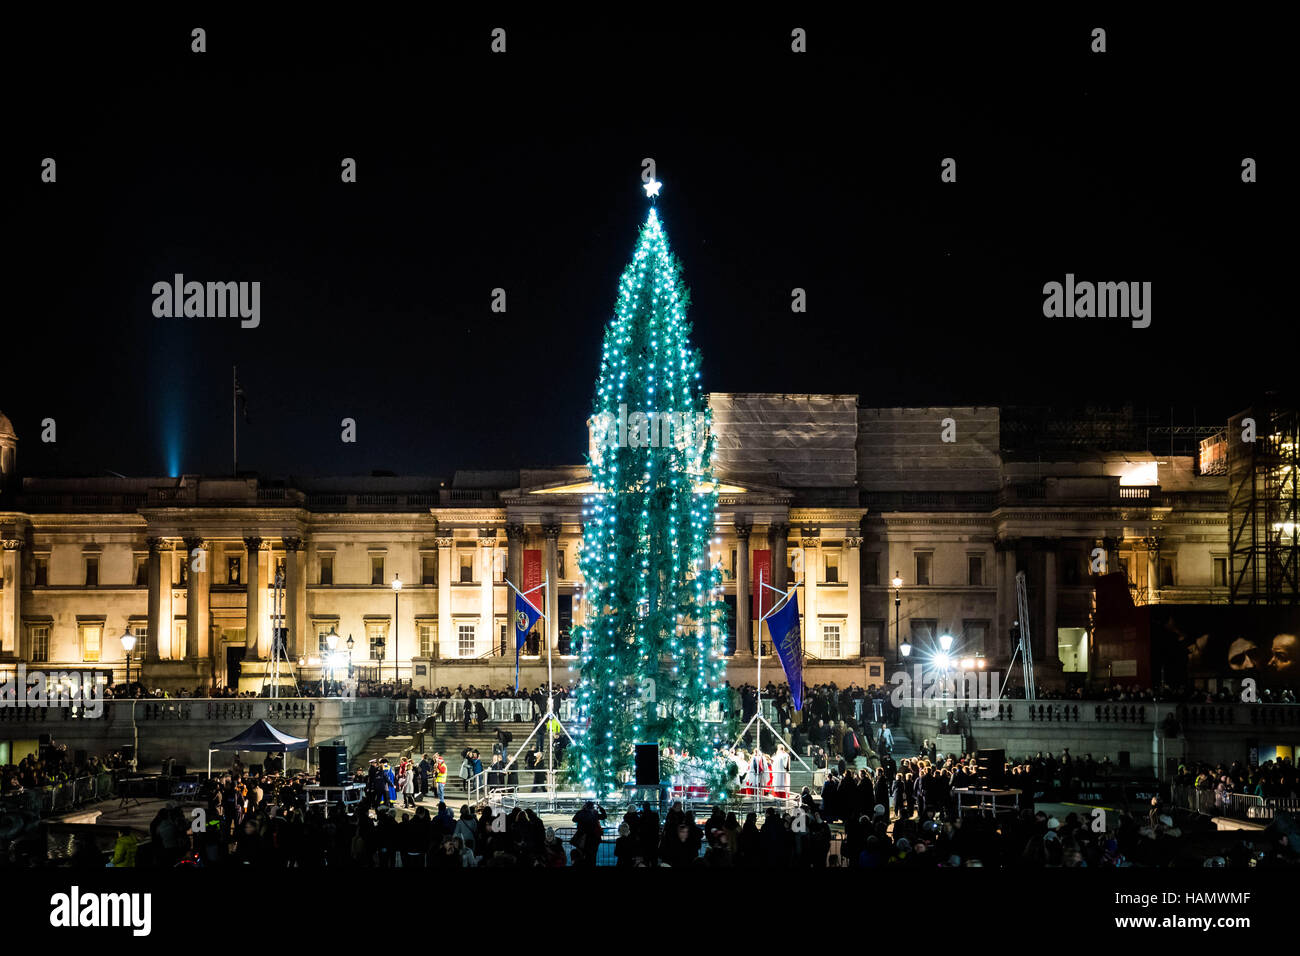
(840, 496)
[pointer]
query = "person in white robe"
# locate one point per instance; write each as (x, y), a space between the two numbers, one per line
(781, 770)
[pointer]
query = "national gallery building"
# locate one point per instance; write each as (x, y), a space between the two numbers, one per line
(951, 502)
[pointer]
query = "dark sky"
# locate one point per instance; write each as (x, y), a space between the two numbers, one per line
(522, 171)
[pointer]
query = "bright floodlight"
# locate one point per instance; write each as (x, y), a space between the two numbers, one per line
(332, 640)
(128, 642)
(941, 661)
(946, 642)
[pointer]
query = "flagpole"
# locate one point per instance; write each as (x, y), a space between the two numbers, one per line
(234, 420)
(550, 685)
(758, 717)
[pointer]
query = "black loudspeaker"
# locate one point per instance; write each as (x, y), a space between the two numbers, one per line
(647, 765)
(990, 768)
(333, 765)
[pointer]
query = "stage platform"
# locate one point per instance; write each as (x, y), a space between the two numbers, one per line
(661, 798)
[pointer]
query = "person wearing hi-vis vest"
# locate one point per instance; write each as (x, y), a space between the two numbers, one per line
(440, 776)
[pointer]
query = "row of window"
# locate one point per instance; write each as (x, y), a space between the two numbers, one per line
(91, 637)
(1075, 568)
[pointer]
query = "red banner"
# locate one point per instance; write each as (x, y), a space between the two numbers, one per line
(762, 576)
(533, 577)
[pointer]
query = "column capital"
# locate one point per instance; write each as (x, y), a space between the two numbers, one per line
(1110, 543)
(14, 544)
(515, 531)
(292, 543)
(192, 542)
(809, 541)
(743, 530)
(487, 540)
(551, 529)
(853, 541)
(158, 544)
(779, 529)
(253, 542)
(444, 542)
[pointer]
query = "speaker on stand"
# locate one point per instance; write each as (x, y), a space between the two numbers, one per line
(333, 765)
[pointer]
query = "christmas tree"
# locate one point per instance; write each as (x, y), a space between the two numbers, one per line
(652, 664)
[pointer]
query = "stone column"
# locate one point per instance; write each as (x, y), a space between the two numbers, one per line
(253, 591)
(551, 556)
(487, 541)
(12, 639)
(197, 587)
(744, 604)
(1111, 547)
(447, 641)
(1007, 610)
(1051, 648)
(160, 595)
(812, 635)
(295, 596)
(854, 579)
(778, 533)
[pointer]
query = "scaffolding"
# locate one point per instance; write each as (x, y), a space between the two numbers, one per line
(1263, 506)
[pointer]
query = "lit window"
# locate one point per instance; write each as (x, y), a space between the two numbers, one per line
(92, 638)
(40, 644)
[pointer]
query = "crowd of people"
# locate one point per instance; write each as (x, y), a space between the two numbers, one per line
(1276, 779)
(53, 765)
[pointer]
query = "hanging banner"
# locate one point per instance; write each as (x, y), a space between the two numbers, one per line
(532, 574)
(786, 637)
(762, 576)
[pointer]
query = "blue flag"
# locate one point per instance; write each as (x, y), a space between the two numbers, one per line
(783, 625)
(525, 617)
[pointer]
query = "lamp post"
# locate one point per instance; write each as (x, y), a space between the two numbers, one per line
(898, 634)
(397, 635)
(128, 645)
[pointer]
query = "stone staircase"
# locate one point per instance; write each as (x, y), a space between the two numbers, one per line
(904, 746)
(448, 739)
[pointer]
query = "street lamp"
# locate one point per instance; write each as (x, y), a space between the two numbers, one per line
(397, 635)
(128, 645)
(945, 642)
(898, 634)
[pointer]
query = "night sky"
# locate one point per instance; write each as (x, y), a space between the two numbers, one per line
(523, 171)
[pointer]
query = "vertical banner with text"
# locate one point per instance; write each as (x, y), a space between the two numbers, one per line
(533, 576)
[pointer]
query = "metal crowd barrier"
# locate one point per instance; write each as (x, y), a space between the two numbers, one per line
(70, 794)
